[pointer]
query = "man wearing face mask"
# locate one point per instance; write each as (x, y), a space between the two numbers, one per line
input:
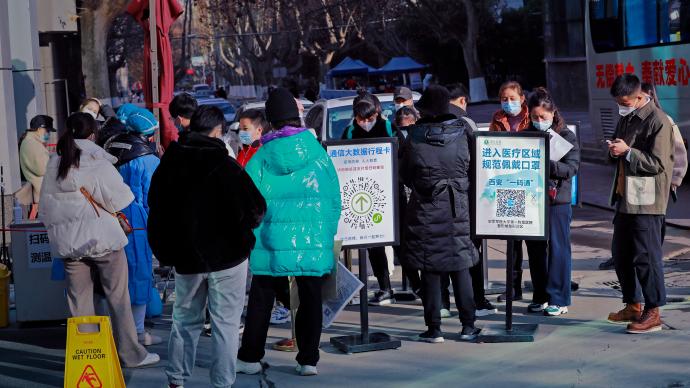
(182, 107)
(34, 155)
(252, 124)
(368, 124)
(403, 97)
(643, 150)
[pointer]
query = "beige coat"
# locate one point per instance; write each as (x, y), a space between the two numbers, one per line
(33, 158)
(649, 166)
(680, 156)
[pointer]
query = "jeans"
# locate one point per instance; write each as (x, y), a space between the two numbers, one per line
(225, 293)
(462, 289)
(550, 263)
(637, 254)
(308, 319)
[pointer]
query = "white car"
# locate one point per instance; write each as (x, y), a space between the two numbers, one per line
(329, 118)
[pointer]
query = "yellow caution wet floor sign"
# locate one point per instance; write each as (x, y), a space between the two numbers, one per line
(91, 358)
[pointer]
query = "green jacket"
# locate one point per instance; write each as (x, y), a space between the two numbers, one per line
(300, 185)
(649, 166)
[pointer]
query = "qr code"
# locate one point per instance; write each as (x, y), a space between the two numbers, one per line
(510, 203)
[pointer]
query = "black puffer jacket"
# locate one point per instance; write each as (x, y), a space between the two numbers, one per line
(203, 207)
(128, 146)
(436, 164)
(561, 173)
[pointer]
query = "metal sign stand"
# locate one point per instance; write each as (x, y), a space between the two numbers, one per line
(4, 251)
(365, 341)
(511, 332)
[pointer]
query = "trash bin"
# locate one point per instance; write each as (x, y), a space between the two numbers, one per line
(4, 296)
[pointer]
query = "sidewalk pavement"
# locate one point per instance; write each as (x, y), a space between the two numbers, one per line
(577, 349)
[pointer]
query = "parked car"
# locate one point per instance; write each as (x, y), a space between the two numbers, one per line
(202, 91)
(261, 105)
(227, 108)
(329, 118)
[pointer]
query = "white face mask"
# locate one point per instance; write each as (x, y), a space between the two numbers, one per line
(398, 106)
(626, 110)
(368, 125)
(89, 111)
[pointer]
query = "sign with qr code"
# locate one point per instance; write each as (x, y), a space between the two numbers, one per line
(368, 174)
(511, 171)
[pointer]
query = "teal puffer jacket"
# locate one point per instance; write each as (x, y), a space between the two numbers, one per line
(300, 185)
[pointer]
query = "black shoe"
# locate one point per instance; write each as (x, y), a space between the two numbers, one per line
(574, 286)
(608, 264)
(207, 331)
(517, 296)
(382, 298)
(430, 336)
(485, 308)
(469, 333)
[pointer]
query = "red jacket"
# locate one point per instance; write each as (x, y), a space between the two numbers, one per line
(246, 153)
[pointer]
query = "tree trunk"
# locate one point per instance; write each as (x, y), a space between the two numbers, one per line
(471, 56)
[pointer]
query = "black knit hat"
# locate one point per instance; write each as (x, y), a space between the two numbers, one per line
(281, 106)
(434, 101)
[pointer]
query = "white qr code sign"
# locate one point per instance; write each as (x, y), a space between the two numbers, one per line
(511, 186)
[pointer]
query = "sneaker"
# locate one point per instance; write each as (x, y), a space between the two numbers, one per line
(280, 315)
(608, 264)
(248, 368)
(286, 345)
(207, 330)
(148, 339)
(171, 385)
(430, 337)
(382, 298)
(469, 333)
(241, 329)
(445, 313)
(517, 296)
(485, 308)
(553, 310)
(150, 359)
(537, 307)
(306, 370)
(649, 322)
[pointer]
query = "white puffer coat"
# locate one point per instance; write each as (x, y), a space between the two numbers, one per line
(74, 228)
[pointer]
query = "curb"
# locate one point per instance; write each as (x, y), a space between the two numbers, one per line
(672, 224)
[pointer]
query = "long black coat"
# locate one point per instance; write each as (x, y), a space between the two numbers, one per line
(436, 164)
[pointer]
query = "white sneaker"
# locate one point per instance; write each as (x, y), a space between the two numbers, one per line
(445, 313)
(248, 368)
(280, 315)
(306, 370)
(148, 339)
(150, 359)
(554, 311)
(537, 307)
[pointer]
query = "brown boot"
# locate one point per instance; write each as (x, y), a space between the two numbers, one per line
(648, 323)
(631, 313)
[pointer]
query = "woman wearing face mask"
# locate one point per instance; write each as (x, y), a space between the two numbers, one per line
(368, 124)
(252, 124)
(550, 262)
(86, 235)
(34, 155)
(512, 117)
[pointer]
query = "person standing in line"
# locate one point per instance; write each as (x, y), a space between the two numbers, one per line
(80, 189)
(436, 164)
(34, 156)
(299, 181)
(402, 96)
(512, 117)
(368, 124)
(205, 232)
(136, 162)
(252, 125)
(550, 262)
(182, 108)
(459, 98)
(643, 149)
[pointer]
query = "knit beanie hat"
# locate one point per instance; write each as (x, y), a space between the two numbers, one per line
(434, 101)
(281, 106)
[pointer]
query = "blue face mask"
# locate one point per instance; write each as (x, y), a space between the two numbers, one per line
(245, 137)
(512, 107)
(46, 137)
(542, 125)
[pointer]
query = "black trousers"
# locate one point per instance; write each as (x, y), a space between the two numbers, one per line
(637, 254)
(307, 322)
(477, 275)
(379, 264)
(517, 265)
(462, 289)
